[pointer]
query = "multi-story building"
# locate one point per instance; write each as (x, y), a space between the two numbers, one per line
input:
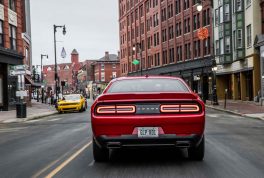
(166, 35)
(86, 76)
(11, 49)
(106, 69)
(259, 45)
(67, 72)
(236, 24)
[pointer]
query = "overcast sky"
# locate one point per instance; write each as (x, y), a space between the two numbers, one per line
(92, 28)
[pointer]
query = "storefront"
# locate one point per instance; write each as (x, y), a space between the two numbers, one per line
(196, 73)
(8, 83)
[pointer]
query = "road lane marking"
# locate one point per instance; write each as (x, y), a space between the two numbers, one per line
(66, 162)
(62, 157)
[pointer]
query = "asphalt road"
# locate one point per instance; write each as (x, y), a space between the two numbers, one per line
(60, 146)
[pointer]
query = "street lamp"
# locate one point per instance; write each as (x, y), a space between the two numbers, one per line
(42, 87)
(138, 45)
(55, 51)
(199, 6)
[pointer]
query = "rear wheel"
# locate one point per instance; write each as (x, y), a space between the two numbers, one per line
(197, 153)
(100, 154)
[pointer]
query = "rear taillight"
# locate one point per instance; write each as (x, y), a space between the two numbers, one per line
(180, 108)
(106, 110)
(125, 109)
(116, 109)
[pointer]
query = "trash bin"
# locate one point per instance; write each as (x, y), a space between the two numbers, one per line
(21, 110)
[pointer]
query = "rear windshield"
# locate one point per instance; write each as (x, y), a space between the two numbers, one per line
(148, 85)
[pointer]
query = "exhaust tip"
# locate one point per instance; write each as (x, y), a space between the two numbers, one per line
(183, 144)
(113, 145)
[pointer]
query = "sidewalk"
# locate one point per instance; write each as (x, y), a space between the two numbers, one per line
(242, 108)
(37, 110)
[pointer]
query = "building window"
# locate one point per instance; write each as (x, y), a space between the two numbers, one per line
(12, 5)
(249, 37)
(239, 5)
(1, 33)
(216, 17)
(221, 41)
(186, 4)
(217, 50)
(66, 67)
(227, 12)
(12, 36)
(113, 66)
(164, 35)
(49, 69)
(171, 32)
(102, 76)
(177, 6)
(171, 56)
(194, 22)
(221, 18)
(164, 57)
(113, 75)
(102, 66)
(227, 44)
(239, 38)
(179, 53)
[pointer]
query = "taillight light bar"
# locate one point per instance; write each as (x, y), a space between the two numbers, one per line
(116, 109)
(180, 108)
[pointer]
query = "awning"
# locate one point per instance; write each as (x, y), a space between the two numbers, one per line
(31, 82)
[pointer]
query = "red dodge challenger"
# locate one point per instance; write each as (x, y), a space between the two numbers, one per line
(148, 111)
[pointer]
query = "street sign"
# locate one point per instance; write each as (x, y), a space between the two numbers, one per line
(21, 93)
(203, 33)
(20, 67)
(19, 72)
(135, 62)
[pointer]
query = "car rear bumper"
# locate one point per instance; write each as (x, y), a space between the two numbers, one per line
(165, 140)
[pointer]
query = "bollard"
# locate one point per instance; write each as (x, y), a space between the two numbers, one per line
(225, 97)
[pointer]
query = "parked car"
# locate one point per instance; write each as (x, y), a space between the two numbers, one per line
(136, 112)
(72, 102)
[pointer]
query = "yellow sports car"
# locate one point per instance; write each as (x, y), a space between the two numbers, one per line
(72, 102)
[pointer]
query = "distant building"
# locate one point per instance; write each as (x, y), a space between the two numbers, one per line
(106, 69)
(67, 72)
(13, 27)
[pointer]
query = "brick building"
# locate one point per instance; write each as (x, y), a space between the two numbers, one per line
(13, 15)
(66, 72)
(167, 34)
(106, 69)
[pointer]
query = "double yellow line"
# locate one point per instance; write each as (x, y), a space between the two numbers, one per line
(63, 164)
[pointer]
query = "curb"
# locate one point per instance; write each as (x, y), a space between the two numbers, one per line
(34, 117)
(233, 112)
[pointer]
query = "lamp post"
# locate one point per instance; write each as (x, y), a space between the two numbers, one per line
(199, 8)
(42, 87)
(138, 45)
(215, 99)
(55, 51)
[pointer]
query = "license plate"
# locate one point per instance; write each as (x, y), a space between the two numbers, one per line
(148, 132)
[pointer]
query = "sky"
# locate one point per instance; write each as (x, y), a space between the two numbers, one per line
(91, 25)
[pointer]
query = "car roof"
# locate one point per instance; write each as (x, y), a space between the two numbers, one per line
(146, 77)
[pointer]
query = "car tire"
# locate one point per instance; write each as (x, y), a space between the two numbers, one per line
(197, 153)
(100, 154)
